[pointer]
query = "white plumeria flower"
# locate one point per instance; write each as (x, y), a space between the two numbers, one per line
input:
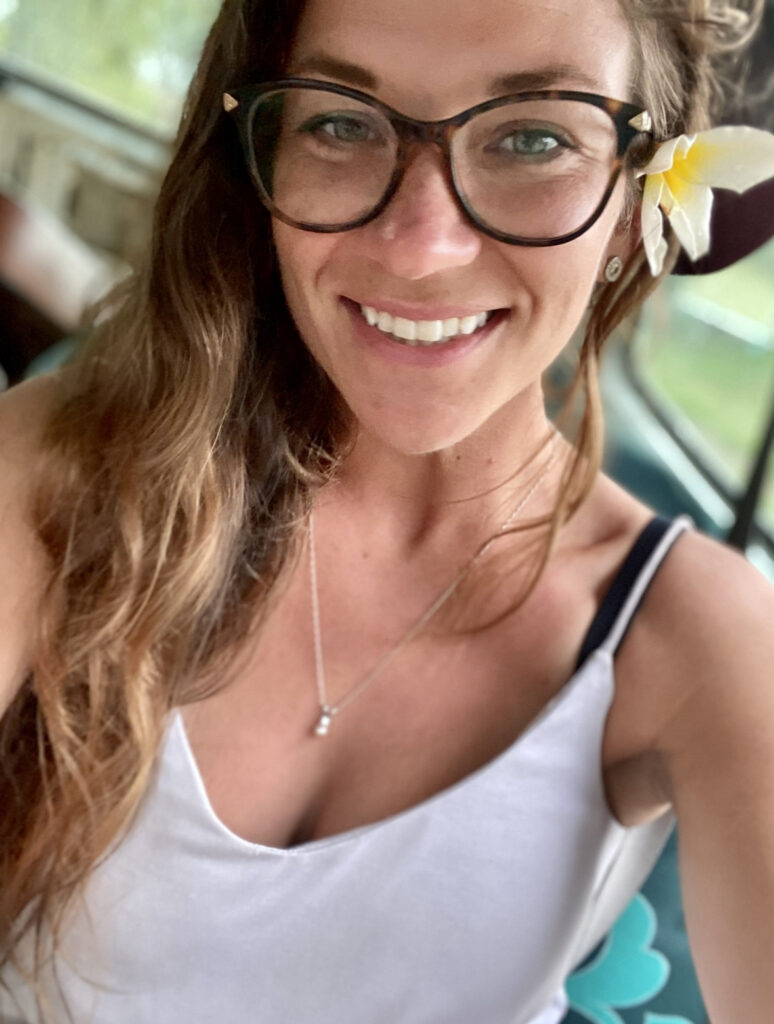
(680, 178)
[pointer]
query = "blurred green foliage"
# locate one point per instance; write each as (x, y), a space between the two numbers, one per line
(135, 57)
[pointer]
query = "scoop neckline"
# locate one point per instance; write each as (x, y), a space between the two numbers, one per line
(600, 654)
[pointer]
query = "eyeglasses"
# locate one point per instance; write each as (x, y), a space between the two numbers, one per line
(535, 168)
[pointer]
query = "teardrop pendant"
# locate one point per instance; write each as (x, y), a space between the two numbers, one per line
(324, 722)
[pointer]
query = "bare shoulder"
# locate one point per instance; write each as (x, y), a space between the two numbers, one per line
(23, 410)
(717, 749)
(23, 413)
(712, 645)
(714, 608)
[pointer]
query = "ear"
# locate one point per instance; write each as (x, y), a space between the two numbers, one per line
(624, 240)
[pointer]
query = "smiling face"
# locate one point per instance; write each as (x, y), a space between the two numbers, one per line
(421, 259)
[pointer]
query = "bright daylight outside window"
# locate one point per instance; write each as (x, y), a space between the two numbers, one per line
(707, 349)
(134, 57)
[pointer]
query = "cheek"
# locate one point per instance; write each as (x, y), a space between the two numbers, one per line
(296, 262)
(301, 256)
(559, 285)
(565, 276)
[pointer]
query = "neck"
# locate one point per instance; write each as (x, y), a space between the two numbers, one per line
(410, 501)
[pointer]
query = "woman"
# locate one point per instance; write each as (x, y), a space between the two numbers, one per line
(287, 738)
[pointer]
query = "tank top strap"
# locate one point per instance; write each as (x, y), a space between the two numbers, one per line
(631, 583)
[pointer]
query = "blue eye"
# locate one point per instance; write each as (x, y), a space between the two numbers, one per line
(532, 142)
(341, 127)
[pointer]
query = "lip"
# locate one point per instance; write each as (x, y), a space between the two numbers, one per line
(429, 356)
(422, 311)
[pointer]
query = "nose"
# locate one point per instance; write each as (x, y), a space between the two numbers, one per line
(423, 230)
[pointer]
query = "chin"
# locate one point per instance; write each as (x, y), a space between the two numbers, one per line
(417, 438)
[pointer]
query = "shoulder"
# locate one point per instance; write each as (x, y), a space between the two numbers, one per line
(23, 413)
(712, 642)
(714, 607)
(24, 407)
(717, 753)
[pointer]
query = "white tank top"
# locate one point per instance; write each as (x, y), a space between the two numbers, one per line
(471, 907)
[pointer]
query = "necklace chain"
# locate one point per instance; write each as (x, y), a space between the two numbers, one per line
(327, 711)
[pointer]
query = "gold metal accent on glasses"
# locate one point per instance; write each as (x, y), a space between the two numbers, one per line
(229, 103)
(642, 122)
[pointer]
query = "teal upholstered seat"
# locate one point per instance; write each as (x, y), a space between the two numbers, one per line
(642, 973)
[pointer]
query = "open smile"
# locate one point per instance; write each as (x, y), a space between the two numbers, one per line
(424, 332)
(423, 341)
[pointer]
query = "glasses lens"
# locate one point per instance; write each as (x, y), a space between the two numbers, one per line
(536, 168)
(323, 159)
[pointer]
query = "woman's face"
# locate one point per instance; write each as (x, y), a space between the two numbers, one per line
(421, 259)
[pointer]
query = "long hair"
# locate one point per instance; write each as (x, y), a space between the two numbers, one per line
(186, 444)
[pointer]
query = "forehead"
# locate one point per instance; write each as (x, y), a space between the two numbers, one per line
(431, 59)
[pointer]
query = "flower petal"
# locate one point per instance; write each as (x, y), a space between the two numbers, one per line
(690, 218)
(732, 156)
(666, 154)
(653, 223)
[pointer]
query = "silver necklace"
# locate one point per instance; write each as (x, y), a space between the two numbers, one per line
(327, 710)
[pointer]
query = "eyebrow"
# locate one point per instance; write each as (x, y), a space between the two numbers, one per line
(542, 78)
(519, 81)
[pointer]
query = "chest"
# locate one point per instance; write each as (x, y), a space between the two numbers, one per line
(459, 910)
(446, 706)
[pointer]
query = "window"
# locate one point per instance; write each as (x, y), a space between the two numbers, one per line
(706, 348)
(133, 57)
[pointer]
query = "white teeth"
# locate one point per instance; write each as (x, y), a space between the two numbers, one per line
(429, 331)
(423, 332)
(406, 329)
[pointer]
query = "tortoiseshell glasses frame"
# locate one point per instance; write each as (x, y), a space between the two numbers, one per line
(631, 122)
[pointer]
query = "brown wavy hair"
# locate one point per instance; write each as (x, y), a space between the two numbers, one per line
(187, 441)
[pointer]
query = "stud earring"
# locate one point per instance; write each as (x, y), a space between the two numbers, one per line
(613, 268)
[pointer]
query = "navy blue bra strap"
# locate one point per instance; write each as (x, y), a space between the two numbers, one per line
(614, 600)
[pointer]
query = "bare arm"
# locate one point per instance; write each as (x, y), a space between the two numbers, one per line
(22, 410)
(718, 749)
